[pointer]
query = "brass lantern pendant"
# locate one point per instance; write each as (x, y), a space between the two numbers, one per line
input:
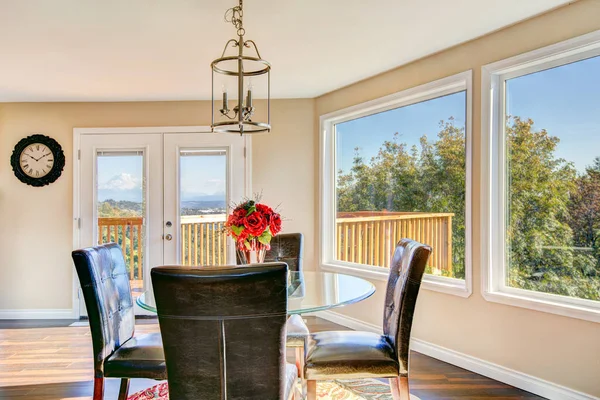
(239, 119)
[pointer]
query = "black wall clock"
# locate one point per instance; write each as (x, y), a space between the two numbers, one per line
(37, 160)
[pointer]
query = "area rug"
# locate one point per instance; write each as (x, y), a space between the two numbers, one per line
(356, 389)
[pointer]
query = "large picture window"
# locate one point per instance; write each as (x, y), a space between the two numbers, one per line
(544, 139)
(399, 168)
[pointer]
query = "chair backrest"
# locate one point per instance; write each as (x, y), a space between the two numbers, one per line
(287, 248)
(406, 272)
(105, 284)
(223, 330)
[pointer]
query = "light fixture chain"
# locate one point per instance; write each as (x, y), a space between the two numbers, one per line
(235, 15)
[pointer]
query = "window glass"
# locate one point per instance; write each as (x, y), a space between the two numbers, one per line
(202, 205)
(121, 208)
(401, 173)
(552, 211)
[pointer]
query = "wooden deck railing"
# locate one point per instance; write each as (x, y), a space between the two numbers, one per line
(203, 240)
(362, 237)
(370, 237)
(127, 232)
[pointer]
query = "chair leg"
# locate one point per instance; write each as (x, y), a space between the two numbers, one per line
(300, 361)
(98, 388)
(311, 388)
(400, 388)
(124, 390)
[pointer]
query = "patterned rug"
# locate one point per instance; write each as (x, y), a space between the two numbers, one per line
(356, 389)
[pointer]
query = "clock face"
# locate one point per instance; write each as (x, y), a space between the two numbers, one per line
(36, 160)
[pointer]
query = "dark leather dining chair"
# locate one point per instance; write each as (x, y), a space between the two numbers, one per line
(353, 354)
(117, 352)
(289, 248)
(223, 331)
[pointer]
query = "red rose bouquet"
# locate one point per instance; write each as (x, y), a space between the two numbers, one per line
(252, 225)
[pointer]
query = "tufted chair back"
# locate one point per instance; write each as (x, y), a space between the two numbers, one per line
(287, 248)
(406, 272)
(223, 330)
(105, 284)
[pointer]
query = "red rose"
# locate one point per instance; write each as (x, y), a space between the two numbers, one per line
(238, 216)
(255, 223)
(275, 224)
(264, 210)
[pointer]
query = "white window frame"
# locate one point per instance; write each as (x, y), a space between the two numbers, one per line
(449, 85)
(493, 173)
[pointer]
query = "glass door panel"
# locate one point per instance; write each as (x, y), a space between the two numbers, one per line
(203, 206)
(162, 197)
(121, 208)
(203, 174)
(121, 201)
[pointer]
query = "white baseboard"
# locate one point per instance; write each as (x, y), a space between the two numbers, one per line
(66, 313)
(349, 322)
(511, 377)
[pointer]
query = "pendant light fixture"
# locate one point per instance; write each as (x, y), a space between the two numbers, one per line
(238, 69)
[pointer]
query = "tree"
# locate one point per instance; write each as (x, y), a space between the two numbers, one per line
(584, 208)
(426, 179)
(553, 226)
(538, 235)
(550, 213)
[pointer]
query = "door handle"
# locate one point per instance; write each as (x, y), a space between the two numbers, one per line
(169, 237)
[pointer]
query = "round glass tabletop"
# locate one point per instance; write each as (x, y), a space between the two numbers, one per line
(308, 291)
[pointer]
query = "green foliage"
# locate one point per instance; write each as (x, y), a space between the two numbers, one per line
(119, 209)
(237, 229)
(122, 209)
(554, 216)
(553, 219)
(266, 237)
(430, 179)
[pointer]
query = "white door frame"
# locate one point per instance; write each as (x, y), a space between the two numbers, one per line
(76, 162)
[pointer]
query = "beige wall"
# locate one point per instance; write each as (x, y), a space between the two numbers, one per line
(36, 234)
(559, 349)
(35, 223)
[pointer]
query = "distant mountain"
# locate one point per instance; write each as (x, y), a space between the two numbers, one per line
(121, 187)
(203, 207)
(187, 196)
(122, 181)
(203, 204)
(121, 195)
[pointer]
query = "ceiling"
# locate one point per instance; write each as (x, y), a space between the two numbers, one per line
(128, 50)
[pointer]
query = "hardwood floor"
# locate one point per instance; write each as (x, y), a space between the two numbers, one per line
(50, 360)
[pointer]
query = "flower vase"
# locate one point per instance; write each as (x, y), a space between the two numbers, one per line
(256, 253)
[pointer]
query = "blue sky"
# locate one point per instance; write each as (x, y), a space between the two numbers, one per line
(120, 177)
(411, 122)
(565, 101)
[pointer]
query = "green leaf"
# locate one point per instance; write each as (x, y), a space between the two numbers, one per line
(266, 237)
(237, 230)
(247, 244)
(251, 209)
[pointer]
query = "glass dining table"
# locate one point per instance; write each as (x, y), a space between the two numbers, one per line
(308, 292)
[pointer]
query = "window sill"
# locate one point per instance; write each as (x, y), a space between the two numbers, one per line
(456, 287)
(548, 305)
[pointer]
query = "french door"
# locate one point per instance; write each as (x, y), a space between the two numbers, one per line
(163, 197)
